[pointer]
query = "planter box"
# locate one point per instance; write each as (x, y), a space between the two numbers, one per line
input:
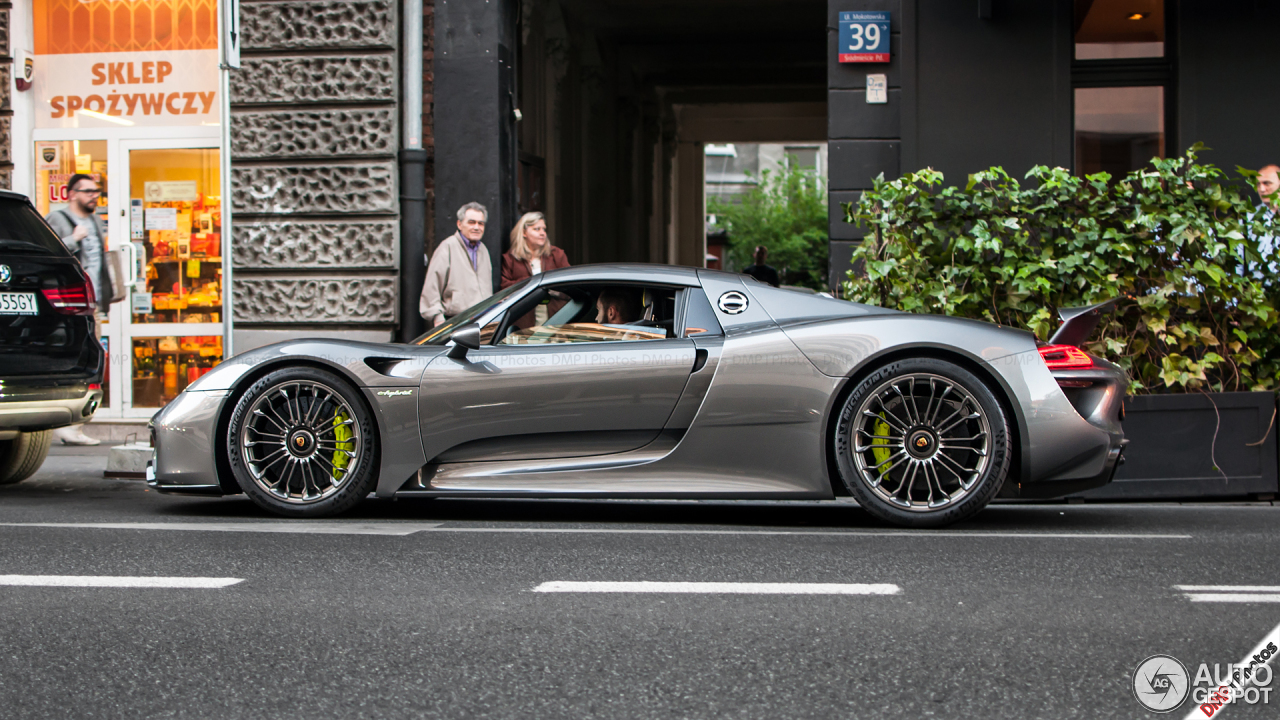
(1170, 440)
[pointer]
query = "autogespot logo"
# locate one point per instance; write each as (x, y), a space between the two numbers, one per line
(394, 393)
(1161, 683)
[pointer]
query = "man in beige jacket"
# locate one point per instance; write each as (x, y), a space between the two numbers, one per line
(460, 273)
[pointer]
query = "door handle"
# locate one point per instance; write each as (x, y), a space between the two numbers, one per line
(131, 271)
(699, 360)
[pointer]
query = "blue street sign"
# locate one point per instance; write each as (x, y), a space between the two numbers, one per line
(864, 37)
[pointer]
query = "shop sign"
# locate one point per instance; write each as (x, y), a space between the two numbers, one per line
(170, 191)
(864, 37)
(141, 303)
(162, 218)
(95, 67)
(47, 156)
(58, 192)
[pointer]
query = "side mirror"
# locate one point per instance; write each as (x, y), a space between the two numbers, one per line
(464, 339)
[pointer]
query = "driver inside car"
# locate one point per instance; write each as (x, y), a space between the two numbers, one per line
(619, 306)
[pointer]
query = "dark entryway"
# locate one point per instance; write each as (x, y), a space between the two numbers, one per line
(615, 101)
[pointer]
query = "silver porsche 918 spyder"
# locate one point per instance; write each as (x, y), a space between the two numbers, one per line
(643, 381)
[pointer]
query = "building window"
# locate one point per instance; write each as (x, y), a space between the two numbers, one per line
(1115, 29)
(1118, 129)
(1123, 79)
(804, 158)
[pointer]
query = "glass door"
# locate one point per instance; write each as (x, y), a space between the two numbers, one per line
(57, 161)
(169, 200)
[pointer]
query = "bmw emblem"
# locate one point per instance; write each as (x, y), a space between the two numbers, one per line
(5, 274)
(732, 303)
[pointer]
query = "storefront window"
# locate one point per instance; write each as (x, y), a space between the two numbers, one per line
(1113, 29)
(1118, 129)
(165, 366)
(175, 216)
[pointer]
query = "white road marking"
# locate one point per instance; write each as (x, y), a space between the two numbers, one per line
(1231, 593)
(1229, 588)
(1234, 597)
(736, 588)
(107, 581)
(1272, 637)
(849, 533)
(301, 527)
(408, 528)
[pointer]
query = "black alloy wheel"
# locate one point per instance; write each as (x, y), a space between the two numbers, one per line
(301, 443)
(922, 443)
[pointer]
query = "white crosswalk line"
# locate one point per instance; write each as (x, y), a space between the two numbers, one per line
(108, 581)
(299, 527)
(720, 588)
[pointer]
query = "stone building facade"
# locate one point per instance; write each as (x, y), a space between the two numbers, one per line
(315, 128)
(6, 96)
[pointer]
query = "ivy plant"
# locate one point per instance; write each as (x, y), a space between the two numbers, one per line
(1177, 242)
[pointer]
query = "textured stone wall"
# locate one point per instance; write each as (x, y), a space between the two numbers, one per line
(314, 136)
(316, 299)
(317, 244)
(6, 107)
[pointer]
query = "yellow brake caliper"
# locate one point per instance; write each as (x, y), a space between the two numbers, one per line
(881, 454)
(342, 435)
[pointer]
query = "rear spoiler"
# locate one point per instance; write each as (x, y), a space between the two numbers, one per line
(1078, 323)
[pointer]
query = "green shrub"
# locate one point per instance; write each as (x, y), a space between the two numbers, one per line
(1173, 241)
(787, 213)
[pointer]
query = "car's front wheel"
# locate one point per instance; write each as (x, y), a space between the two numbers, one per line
(922, 443)
(22, 456)
(301, 443)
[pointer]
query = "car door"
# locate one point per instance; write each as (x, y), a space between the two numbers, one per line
(561, 399)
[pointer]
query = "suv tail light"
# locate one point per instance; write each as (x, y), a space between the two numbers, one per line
(74, 299)
(1065, 357)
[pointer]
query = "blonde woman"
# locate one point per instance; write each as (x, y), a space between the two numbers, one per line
(531, 253)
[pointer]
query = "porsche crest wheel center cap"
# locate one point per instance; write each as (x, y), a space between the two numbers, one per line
(302, 443)
(922, 444)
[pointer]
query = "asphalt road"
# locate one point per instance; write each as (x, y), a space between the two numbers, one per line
(429, 609)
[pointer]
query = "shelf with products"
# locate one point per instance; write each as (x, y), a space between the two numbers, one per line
(183, 261)
(165, 366)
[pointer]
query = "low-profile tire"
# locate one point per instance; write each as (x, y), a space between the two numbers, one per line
(22, 456)
(922, 443)
(302, 443)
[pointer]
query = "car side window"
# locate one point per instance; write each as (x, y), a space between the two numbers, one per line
(604, 312)
(699, 319)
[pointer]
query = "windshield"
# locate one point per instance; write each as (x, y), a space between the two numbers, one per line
(442, 332)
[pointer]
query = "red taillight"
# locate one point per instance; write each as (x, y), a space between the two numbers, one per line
(73, 299)
(95, 386)
(1065, 357)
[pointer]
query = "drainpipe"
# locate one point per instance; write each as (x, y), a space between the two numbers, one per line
(413, 175)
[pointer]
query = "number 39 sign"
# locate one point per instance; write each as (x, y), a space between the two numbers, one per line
(864, 37)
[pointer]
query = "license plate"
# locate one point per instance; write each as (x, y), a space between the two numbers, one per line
(18, 304)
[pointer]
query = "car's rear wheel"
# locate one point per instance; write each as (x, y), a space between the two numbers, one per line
(922, 442)
(22, 456)
(301, 443)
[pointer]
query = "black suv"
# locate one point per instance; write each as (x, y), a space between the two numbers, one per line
(50, 360)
